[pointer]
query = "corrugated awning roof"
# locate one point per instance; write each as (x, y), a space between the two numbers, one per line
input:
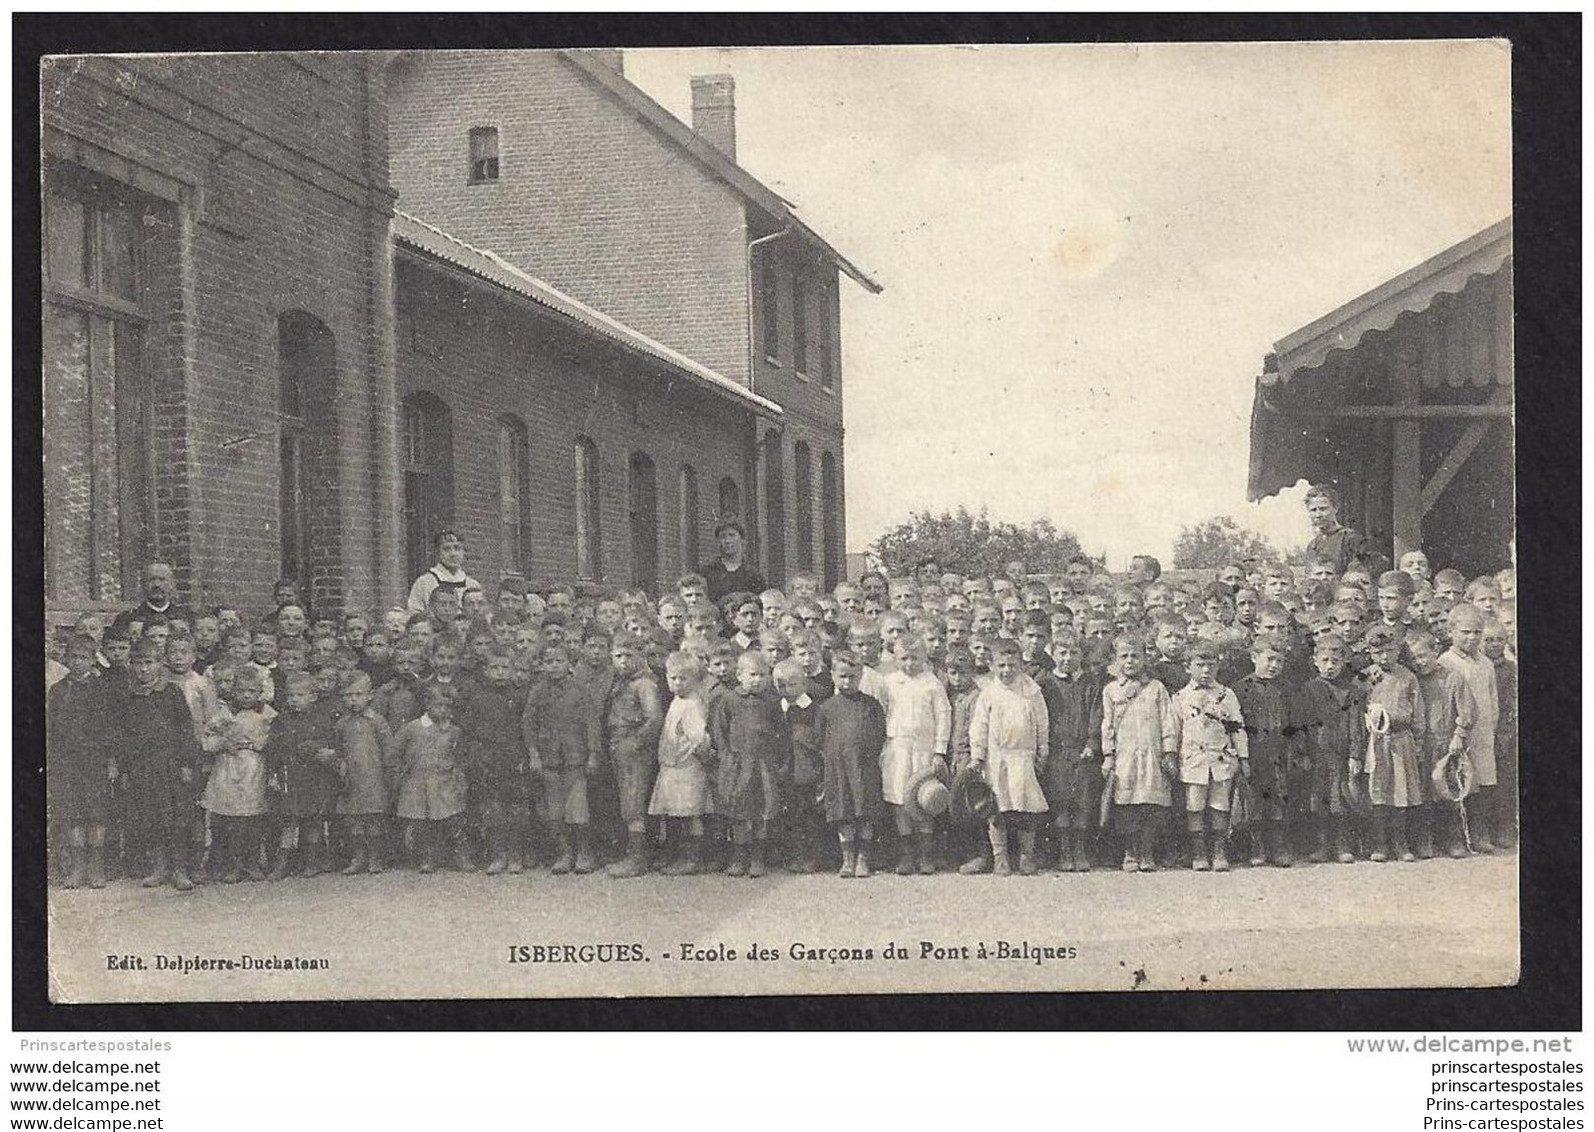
(1447, 321)
(494, 269)
(749, 186)
(1411, 292)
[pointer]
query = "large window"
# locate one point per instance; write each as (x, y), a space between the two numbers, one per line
(827, 338)
(427, 452)
(98, 402)
(805, 506)
(306, 377)
(514, 495)
(643, 499)
(483, 154)
(769, 306)
(689, 517)
(830, 518)
(775, 506)
(589, 537)
(799, 324)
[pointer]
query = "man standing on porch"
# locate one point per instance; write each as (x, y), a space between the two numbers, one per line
(731, 574)
(1332, 541)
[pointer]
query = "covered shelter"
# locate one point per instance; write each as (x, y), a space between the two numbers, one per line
(1402, 399)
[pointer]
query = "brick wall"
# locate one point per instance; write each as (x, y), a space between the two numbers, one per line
(588, 198)
(813, 410)
(273, 169)
(486, 354)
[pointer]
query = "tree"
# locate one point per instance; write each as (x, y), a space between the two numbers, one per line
(1217, 542)
(973, 545)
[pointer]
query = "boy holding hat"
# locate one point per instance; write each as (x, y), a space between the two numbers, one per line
(1397, 726)
(918, 731)
(1466, 660)
(1008, 740)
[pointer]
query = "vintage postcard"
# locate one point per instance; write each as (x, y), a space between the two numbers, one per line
(554, 523)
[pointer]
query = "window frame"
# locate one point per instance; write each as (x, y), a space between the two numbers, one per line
(106, 316)
(477, 157)
(514, 455)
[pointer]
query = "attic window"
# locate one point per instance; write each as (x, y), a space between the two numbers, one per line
(483, 154)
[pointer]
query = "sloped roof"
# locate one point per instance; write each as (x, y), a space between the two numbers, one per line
(416, 233)
(1410, 292)
(721, 166)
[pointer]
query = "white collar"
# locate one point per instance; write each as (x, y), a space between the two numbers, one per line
(801, 701)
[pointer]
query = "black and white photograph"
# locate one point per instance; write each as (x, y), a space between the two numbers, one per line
(811, 520)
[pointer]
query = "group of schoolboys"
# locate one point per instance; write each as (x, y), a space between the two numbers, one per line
(988, 725)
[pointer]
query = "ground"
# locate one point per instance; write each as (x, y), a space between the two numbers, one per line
(451, 935)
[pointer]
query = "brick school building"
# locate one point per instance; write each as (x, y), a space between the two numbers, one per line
(273, 348)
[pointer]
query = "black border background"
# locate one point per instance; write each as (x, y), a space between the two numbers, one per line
(1546, 84)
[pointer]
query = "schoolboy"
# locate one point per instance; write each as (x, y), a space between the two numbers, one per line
(1268, 710)
(498, 787)
(850, 731)
(804, 819)
(1333, 740)
(1139, 752)
(1008, 743)
(1071, 780)
(1398, 725)
(1465, 659)
(918, 730)
(563, 740)
(633, 718)
(1451, 714)
(1213, 750)
(81, 738)
(752, 752)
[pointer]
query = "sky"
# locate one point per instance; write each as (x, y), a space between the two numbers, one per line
(1087, 250)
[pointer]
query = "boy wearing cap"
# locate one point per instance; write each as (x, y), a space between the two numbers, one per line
(1466, 660)
(1397, 726)
(1008, 741)
(1451, 716)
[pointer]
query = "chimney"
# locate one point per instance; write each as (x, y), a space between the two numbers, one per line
(714, 111)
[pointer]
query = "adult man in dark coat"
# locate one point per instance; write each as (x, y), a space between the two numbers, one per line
(1332, 541)
(731, 574)
(160, 591)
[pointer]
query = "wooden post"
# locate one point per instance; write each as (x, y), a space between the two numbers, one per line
(1406, 453)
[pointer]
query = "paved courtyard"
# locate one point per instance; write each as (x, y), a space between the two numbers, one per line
(452, 935)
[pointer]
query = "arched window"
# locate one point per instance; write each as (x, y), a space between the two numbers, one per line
(514, 496)
(830, 518)
(427, 453)
(589, 539)
(307, 507)
(805, 506)
(730, 500)
(775, 506)
(643, 507)
(689, 517)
